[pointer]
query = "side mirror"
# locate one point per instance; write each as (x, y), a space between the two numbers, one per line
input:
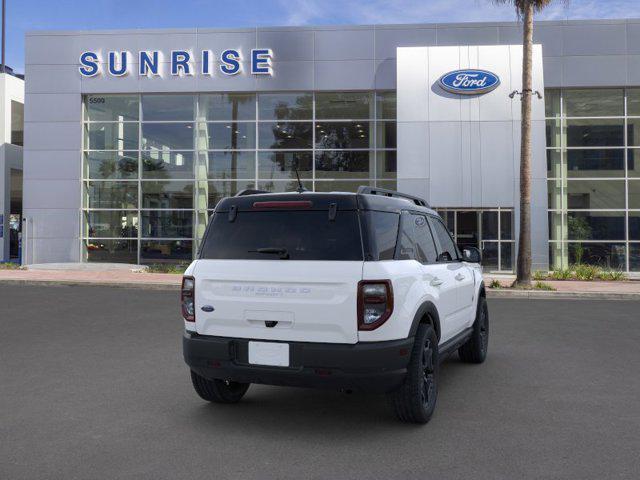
(471, 255)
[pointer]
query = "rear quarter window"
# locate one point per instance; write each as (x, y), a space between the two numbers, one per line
(303, 235)
(382, 232)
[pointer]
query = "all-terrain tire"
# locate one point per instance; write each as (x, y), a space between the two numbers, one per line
(415, 400)
(475, 350)
(218, 391)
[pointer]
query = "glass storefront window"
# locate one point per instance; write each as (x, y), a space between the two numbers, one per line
(167, 224)
(166, 251)
(230, 164)
(634, 225)
(596, 225)
(490, 225)
(167, 194)
(111, 224)
(600, 102)
(595, 163)
(344, 105)
(557, 222)
(595, 194)
(633, 132)
(633, 162)
(217, 190)
(554, 163)
(386, 105)
(386, 135)
(282, 165)
(112, 194)
(343, 164)
(343, 135)
(283, 185)
(634, 257)
(555, 195)
(552, 103)
(167, 136)
(227, 106)
(167, 164)
(111, 165)
(285, 135)
(111, 251)
(605, 132)
(610, 256)
(634, 194)
(285, 106)
(387, 164)
(111, 136)
(227, 136)
(111, 108)
(339, 185)
(554, 133)
(173, 107)
(633, 102)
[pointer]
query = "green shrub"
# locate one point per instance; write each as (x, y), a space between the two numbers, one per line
(543, 286)
(9, 266)
(540, 275)
(587, 272)
(495, 284)
(562, 274)
(177, 268)
(612, 275)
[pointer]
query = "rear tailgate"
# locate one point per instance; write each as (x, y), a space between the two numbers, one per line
(285, 300)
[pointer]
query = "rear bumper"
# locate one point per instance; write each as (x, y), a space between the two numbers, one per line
(370, 367)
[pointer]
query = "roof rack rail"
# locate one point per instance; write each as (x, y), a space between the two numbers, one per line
(249, 191)
(391, 193)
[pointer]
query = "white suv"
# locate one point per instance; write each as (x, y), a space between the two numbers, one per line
(363, 291)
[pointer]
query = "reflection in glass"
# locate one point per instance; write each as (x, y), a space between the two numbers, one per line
(111, 136)
(335, 135)
(340, 185)
(111, 165)
(112, 251)
(284, 186)
(633, 132)
(166, 251)
(600, 102)
(168, 194)
(217, 190)
(112, 194)
(595, 163)
(227, 106)
(282, 165)
(554, 163)
(634, 257)
(386, 105)
(634, 225)
(506, 256)
(506, 225)
(387, 164)
(596, 225)
(230, 164)
(344, 164)
(595, 194)
(490, 256)
(285, 135)
(347, 105)
(386, 135)
(634, 194)
(554, 133)
(285, 106)
(633, 102)
(111, 108)
(111, 224)
(552, 102)
(167, 164)
(595, 133)
(168, 107)
(227, 136)
(610, 256)
(490, 225)
(167, 224)
(167, 136)
(633, 162)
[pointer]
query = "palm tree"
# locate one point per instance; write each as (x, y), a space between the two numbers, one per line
(525, 10)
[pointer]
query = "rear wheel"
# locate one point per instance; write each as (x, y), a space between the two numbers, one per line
(218, 391)
(475, 350)
(415, 400)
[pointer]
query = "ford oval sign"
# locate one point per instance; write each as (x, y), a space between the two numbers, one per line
(469, 82)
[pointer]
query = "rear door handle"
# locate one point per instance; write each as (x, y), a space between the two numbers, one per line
(436, 282)
(460, 277)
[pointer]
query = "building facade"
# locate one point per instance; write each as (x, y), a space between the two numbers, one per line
(131, 137)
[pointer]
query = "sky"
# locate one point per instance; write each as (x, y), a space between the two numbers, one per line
(26, 15)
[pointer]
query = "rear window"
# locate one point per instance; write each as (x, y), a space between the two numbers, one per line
(279, 235)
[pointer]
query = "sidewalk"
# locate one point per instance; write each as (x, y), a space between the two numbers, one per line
(627, 290)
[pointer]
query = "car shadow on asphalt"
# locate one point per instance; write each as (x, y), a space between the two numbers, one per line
(289, 410)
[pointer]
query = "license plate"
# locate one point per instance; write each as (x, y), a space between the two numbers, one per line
(269, 353)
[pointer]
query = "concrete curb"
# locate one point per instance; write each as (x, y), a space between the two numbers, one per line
(547, 295)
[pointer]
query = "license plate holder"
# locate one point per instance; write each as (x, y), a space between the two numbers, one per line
(269, 353)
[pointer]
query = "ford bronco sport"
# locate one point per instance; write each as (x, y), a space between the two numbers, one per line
(363, 291)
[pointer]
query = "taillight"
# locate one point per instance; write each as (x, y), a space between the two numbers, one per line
(187, 298)
(375, 303)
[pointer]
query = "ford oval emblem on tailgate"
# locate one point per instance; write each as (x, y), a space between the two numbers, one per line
(207, 308)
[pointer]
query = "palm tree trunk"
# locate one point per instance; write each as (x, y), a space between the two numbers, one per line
(524, 246)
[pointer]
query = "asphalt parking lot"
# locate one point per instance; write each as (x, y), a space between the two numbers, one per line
(92, 385)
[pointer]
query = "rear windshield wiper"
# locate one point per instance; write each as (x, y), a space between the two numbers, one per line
(284, 254)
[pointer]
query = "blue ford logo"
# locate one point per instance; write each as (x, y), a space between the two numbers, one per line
(469, 82)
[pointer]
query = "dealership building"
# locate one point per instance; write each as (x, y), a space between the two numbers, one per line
(131, 137)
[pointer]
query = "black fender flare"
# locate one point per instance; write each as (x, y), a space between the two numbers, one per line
(426, 309)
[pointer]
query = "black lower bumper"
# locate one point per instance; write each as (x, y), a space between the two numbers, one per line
(371, 367)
